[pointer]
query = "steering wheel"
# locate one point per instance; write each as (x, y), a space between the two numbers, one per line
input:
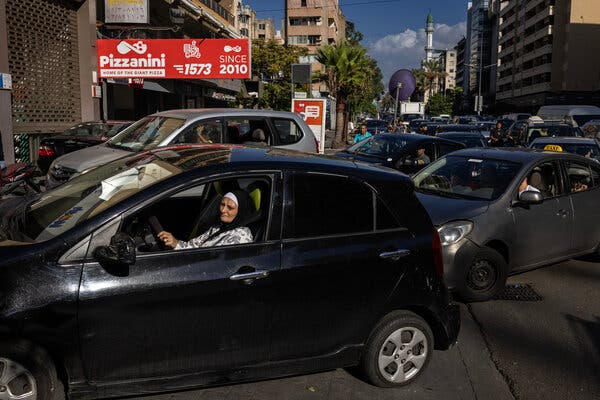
(156, 228)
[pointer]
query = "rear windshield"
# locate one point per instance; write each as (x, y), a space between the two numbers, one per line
(582, 119)
(534, 132)
(467, 177)
(146, 133)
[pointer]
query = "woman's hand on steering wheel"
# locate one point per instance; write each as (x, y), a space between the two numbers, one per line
(168, 239)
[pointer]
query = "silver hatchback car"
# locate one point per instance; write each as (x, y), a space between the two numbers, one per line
(195, 126)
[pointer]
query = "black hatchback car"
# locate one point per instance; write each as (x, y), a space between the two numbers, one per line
(400, 150)
(344, 269)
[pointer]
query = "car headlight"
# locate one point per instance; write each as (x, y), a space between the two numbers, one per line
(452, 232)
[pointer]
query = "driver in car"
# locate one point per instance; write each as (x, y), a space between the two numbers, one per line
(235, 208)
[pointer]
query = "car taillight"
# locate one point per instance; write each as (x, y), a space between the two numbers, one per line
(45, 151)
(438, 259)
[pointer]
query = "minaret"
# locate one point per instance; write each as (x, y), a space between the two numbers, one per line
(429, 31)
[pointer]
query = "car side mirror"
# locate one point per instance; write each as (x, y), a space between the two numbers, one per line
(118, 256)
(530, 197)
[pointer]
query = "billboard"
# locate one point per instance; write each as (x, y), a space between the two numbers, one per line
(313, 112)
(129, 12)
(174, 58)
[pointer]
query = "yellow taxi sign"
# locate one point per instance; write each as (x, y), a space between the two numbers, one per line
(553, 147)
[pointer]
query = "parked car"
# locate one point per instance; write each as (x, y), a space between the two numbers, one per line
(490, 229)
(516, 116)
(414, 124)
(323, 284)
(77, 137)
(212, 125)
(591, 129)
(469, 139)
(586, 147)
(468, 119)
(399, 150)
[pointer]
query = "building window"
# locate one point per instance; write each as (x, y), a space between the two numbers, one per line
(244, 32)
(261, 36)
(314, 39)
(261, 26)
(302, 3)
(299, 39)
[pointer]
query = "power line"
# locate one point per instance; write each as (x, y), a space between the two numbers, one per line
(360, 3)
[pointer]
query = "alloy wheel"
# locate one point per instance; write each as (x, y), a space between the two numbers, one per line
(403, 354)
(16, 382)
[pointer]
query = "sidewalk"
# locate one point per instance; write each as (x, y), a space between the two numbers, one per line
(464, 372)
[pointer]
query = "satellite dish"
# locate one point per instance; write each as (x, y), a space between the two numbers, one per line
(407, 82)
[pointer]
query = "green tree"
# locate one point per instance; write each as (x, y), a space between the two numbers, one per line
(272, 64)
(438, 104)
(347, 71)
(352, 35)
(434, 72)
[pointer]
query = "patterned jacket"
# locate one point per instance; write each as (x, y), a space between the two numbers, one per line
(234, 236)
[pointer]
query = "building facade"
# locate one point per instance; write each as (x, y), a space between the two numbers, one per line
(49, 49)
(246, 21)
(448, 61)
(264, 29)
(548, 53)
(460, 62)
(478, 54)
(311, 24)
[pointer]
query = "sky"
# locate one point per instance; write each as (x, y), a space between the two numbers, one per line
(394, 30)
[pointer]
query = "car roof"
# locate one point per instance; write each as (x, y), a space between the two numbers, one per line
(566, 140)
(457, 134)
(515, 154)
(218, 156)
(220, 112)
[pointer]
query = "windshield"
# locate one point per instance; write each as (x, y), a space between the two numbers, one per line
(146, 133)
(468, 177)
(86, 195)
(381, 146)
(468, 141)
(586, 150)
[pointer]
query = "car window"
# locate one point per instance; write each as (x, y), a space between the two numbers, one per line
(468, 177)
(385, 219)
(288, 132)
(248, 130)
(445, 148)
(329, 205)
(580, 176)
(545, 178)
(147, 133)
(207, 131)
(193, 215)
(382, 146)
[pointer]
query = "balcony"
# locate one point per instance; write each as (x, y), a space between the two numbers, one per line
(219, 10)
(537, 88)
(546, 49)
(545, 31)
(506, 79)
(509, 7)
(532, 4)
(508, 21)
(547, 12)
(540, 69)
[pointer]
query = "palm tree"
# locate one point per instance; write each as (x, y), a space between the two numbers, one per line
(346, 71)
(434, 71)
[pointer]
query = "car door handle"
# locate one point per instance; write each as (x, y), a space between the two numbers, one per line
(249, 277)
(394, 255)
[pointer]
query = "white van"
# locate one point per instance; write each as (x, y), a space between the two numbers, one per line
(577, 115)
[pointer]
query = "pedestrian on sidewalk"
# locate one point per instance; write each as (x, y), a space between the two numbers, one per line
(362, 135)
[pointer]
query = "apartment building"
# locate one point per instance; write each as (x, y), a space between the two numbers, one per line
(264, 29)
(478, 53)
(460, 62)
(548, 53)
(311, 24)
(448, 61)
(246, 21)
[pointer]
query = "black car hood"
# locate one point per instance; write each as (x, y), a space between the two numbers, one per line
(444, 209)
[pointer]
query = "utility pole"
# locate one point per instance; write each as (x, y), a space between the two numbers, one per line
(285, 23)
(397, 96)
(480, 99)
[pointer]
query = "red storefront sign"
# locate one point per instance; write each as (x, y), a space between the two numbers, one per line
(174, 58)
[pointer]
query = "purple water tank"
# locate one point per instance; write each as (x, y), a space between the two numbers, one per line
(409, 84)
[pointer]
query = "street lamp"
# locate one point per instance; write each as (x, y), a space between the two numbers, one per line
(479, 98)
(397, 95)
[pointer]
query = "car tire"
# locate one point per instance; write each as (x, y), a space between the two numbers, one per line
(25, 369)
(398, 350)
(485, 277)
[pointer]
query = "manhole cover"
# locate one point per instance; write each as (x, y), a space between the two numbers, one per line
(518, 292)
